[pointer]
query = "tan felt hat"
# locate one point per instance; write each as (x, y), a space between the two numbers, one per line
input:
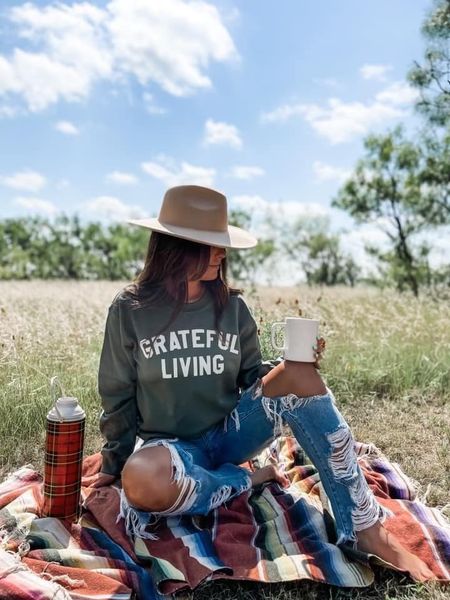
(199, 214)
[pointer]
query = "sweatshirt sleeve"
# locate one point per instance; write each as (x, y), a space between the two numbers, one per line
(117, 389)
(252, 366)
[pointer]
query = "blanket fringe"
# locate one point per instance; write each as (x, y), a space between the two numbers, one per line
(65, 580)
(445, 511)
(369, 451)
(16, 566)
(418, 488)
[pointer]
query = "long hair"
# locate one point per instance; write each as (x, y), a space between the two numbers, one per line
(169, 263)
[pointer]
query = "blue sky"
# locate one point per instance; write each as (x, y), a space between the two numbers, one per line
(103, 105)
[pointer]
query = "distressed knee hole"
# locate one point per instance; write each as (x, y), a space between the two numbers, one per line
(185, 500)
(177, 465)
(187, 486)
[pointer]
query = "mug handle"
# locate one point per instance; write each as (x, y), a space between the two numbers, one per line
(274, 326)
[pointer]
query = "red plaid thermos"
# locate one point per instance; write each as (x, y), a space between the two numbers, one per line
(63, 456)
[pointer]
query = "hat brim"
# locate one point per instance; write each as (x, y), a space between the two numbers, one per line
(235, 237)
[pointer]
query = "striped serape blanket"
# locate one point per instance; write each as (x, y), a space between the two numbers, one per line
(268, 535)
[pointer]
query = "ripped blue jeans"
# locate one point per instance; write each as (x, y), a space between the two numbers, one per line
(207, 467)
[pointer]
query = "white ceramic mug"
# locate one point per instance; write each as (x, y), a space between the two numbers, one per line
(300, 335)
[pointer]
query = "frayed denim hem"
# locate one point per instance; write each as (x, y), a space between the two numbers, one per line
(136, 521)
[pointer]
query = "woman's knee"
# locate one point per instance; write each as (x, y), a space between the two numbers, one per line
(291, 377)
(147, 479)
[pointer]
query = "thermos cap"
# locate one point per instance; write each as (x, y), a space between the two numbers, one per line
(66, 409)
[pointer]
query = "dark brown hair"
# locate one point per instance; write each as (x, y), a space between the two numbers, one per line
(169, 264)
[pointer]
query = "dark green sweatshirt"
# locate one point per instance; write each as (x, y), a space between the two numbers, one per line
(177, 384)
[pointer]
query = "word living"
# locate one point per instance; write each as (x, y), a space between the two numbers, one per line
(183, 339)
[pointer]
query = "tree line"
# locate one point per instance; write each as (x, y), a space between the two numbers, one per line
(66, 248)
(401, 184)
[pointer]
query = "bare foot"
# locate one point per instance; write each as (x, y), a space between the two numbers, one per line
(385, 545)
(269, 473)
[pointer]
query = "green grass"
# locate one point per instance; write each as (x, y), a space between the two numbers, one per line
(387, 362)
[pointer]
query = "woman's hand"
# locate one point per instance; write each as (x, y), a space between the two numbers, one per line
(269, 473)
(319, 349)
(104, 479)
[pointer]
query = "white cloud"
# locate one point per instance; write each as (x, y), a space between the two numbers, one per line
(398, 93)
(37, 205)
(249, 202)
(377, 72)
(150, 105)
(26, 180)
(8, 111)
(283, 113)
(112, 208)
(66, 127)
(288, 211)
(71, 47)
(186, 173)
(71, 54)
(342, 121)
(217, 132)
(184, 38)
(244, 172)
(122, 178)
(324, 172)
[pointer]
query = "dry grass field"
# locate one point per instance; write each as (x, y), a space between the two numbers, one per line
(388, 362)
